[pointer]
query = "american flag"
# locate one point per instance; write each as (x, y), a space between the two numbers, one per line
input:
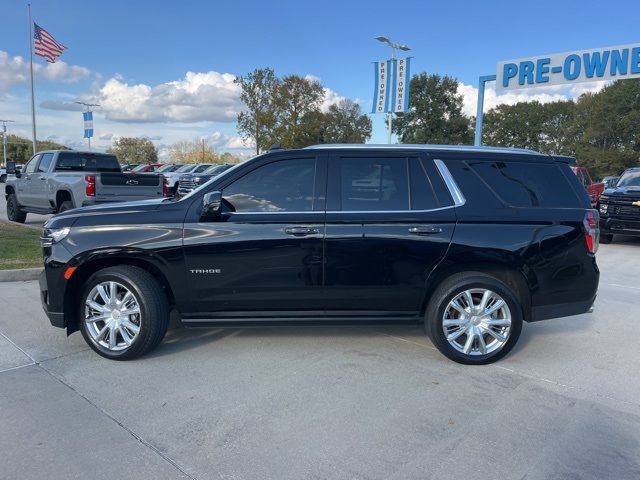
(45, 45)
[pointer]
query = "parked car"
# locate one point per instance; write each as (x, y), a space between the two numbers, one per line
(127, 167)
(173, 178)
(169, 167)
(191, 181)
(57, 180)
(470, 241)
(147, 168)
(610, 181)
(594, 189)
(620, 207)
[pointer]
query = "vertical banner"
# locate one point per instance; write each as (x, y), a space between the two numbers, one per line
(402, 79)
(88, 124)
(381, 102)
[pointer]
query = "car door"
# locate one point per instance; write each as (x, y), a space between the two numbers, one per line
(262, 255)
(24, 185)
(39, 184)
(389, 222)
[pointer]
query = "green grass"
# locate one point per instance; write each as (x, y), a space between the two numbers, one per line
(19, 247)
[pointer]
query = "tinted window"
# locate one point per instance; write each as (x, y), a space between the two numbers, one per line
(87, 162)
(428, 190)
(45, 162)
(285, 185)
(31, 166)
(374, 184)
(524, 184)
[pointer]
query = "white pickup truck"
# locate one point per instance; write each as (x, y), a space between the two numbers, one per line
(57, 180)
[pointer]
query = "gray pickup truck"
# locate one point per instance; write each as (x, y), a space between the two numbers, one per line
(57, 180)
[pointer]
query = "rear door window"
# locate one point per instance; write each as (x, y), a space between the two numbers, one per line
(428, 190)
(526, 184)
(45, 162)
(373, 184)
(87, 162)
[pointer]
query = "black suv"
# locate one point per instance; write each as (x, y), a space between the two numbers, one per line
(470, 241)
(620, 207)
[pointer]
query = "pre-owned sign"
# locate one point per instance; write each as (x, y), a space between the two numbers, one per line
(570, 67)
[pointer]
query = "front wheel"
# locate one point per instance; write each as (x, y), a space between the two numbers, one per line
(13, 210)
(474, 318)
(123, 312)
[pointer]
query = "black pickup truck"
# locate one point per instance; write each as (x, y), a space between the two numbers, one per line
(620, 207)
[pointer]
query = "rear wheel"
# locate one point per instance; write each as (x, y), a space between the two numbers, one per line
(3, 178)
(123, 312)
(64, 206)
(474, 318)
(606, 238)
(13, 210)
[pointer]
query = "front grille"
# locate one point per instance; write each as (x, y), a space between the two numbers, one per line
(187, 184)
(624, 210)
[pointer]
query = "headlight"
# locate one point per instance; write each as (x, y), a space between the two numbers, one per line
(52, 236)
(604, 208)
(196, 179)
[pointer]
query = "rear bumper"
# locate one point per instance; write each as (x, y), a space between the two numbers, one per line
(620, 225)
(55, 317)
(545, 312)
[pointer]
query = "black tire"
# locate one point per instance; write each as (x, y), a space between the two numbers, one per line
(3, 178)
(64, 206)
(154, 308)
(447, 291)
(13, 210)
(606, 238)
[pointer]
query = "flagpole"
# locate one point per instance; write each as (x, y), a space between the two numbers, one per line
(33, 101)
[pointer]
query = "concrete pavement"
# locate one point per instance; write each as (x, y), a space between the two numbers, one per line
(327, 402)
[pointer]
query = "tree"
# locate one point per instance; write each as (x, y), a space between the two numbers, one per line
(134, 150)
(345, 123)
(257, 122)
(20, 150)
(435, 112)
(297, 104)
(193, 151)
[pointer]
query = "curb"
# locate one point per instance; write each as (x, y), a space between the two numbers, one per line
(20, 275)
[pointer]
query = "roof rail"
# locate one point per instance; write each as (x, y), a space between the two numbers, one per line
(428, 147)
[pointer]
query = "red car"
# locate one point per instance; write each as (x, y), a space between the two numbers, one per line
(146, 168)
(593, 189)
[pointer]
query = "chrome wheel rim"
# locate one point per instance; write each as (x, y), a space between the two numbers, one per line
(112, 316)
(477, 322)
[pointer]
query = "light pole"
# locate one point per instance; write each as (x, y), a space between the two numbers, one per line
(394, 50)
(4, 139)
(88, 107)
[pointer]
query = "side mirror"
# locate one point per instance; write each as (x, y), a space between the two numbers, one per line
(211, 203)
(11, 168)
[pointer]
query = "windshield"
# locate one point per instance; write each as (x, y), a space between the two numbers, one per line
(212, 179)
(186, 168)
(139, 168)
(201, 168)
(167, 168)
(213, 169)
(630, 178)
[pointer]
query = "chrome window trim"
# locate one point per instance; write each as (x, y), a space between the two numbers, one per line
(344, 211)
(457, 195)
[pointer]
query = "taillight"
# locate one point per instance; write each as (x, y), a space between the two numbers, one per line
(90, 188)
(592, 230)
(165, 187)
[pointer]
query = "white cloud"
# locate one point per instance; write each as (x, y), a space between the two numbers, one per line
(542, 95)
(15, 70)
(209, 96)
(330, 97)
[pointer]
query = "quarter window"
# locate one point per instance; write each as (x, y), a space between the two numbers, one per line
(374, 184)
(281, 186)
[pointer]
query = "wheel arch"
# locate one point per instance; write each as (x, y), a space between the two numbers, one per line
(506, 273)
(8, 190)
(63, 196)
(99, 261)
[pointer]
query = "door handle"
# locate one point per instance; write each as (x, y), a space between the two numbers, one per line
(301, 231)
(426, 230)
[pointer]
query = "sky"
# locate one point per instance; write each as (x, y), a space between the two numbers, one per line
(165, 69)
